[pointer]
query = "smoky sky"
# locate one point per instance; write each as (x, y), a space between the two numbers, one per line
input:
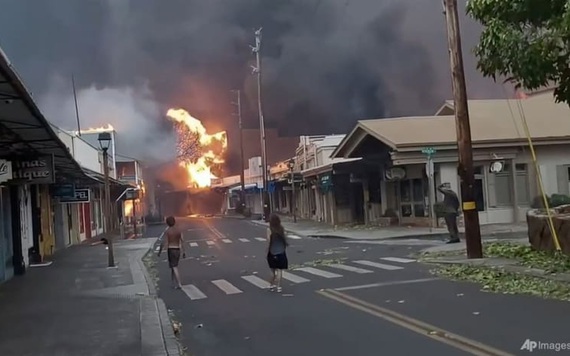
(325, 63)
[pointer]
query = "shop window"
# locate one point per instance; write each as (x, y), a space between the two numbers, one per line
(341, 190)
(503, 186)
(413, 194)
(523, 184)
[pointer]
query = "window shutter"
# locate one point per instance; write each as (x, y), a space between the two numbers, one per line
(492, 196)
(562, 177)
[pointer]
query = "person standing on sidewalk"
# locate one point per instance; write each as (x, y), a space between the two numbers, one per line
(276, 251)
(174, 244)
(451, 204)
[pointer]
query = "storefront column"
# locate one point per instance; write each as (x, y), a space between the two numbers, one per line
(513, 177)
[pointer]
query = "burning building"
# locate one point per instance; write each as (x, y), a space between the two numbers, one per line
(183, 188)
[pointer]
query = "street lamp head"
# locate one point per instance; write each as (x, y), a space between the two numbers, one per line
(104, 140)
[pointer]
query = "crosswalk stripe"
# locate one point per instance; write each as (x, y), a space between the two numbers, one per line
(293, 278)
(256, 281)
(379, 265)
(227, 241)
(244, 240)
(226, 286)
(193, 292)
(210, 243)
(294, 237)
(193, 244)
(260, 239)
(351, 268)
(318, 272)
(397, 259)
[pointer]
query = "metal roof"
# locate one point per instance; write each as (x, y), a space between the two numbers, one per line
(25, 131)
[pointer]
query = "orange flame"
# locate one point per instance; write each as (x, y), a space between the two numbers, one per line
(200, 169)
(128, 207)
(108, 128)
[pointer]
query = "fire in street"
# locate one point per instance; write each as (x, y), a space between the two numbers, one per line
(198, 152)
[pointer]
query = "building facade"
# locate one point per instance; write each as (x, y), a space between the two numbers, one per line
(502, 195)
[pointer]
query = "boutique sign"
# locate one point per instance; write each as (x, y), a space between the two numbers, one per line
(5, 170)
(38, 170)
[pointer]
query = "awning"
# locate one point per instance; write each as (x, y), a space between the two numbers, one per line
(25, 131)
(247, 186)
(329, 167)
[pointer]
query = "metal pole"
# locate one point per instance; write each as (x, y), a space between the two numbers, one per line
(431, 191)
(76, 106)
(134, 218)
(109, 236)
(242, 171)
(293, 201)
(464, 147)
(257, 49)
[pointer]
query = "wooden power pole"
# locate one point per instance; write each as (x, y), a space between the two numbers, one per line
(464, 148)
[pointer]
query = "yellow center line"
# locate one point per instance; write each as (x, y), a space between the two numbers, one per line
(471, 346)
(214, 231)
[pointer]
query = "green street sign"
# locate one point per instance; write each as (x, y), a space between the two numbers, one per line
(430, 151)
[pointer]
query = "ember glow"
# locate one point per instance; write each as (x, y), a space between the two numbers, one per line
(198, 151)
(108, 128)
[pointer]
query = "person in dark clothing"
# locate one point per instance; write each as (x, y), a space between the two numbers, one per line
(276, 252)
(451, 203)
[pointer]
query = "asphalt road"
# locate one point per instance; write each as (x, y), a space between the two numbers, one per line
(342, 297)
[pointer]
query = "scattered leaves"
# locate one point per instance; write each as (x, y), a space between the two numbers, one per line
(500, 281)
(526, 256)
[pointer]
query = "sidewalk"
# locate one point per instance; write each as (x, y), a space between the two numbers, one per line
(78, 306)
(310, 228)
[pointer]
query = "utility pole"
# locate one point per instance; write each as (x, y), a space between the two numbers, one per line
(76, 106)
(242, 177)
(464, 147)
(257, 70)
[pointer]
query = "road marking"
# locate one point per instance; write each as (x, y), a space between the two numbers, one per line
(293, 278)
(227, 241)
(378, 265)
(417, 326)
(193, 292)
(244, 240)
(385, 284)
(260, 239)
(397, 259)
(294, 237)
(318, 272)
(210, 243)
(351, 268)
(226, 286)
(193, 244)
(256, 281)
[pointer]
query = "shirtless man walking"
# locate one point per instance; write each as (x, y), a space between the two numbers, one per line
(173, 243)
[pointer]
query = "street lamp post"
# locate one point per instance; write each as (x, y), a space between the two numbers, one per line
(293, 202)
(104, 142)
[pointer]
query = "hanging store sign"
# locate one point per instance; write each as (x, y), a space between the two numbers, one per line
(5, 170)
(64, 191)
(39, 170)
(80, 196)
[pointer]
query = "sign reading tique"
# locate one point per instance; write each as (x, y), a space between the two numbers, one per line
(39, 170)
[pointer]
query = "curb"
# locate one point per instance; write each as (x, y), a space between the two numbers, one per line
(169, 340)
